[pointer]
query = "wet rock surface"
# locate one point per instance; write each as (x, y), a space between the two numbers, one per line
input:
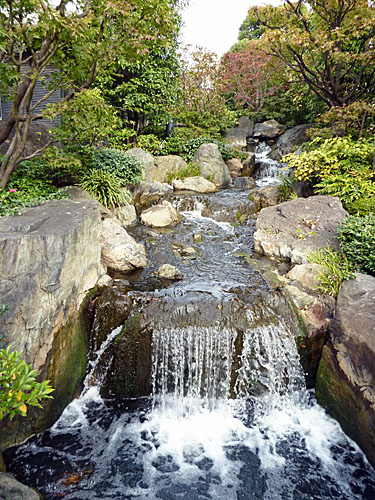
(295, 228)
(267, 196)
(346, 378)
(148, 193)
(11, 489)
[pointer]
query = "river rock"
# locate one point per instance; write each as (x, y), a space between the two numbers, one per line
(346, 376)
(306, 275)
(213, 167)
(11, 489)
(169, 272)
(235, 167)
(49, 260)
(197, 184)
(244, 183)
(162, 215)
(267, 196)
(148, 193)
(295, 228)
(126, 215)
(120, 252)
(269, 129)
(248, 165)
(290, 140)
(145, 158)
(244, 123)
(164, 167)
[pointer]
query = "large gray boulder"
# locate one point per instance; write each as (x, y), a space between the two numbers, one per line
(212, 165)
(235, 167)
(269, 129)
(148, 193)
(49, 260)
(248, 165)
(164, 167)
(197, 184)
(145, 158)
(11, 489)
(290, 140)
(295, 228)
(120, 252)
(346, 375)
(162, 215)
(236, 137)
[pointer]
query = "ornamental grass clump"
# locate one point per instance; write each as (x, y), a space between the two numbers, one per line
(336, 269)
(105, 187)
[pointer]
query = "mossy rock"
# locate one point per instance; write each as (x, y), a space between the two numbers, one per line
(345, 403)
(129, 375)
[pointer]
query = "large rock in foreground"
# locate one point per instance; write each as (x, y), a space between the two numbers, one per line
(346, 375)
(295, 228)
(212, 165)
(49, 259)
(120, 252)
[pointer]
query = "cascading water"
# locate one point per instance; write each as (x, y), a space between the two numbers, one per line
(229, 417)
(268, 170)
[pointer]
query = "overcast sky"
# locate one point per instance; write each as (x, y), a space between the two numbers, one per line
(214, 24)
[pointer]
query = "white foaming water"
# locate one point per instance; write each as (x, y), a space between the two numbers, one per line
(270, 170)
(204, 222)
(92, 365)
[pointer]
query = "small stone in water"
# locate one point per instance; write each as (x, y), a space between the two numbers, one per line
(197, 238)
(169, 272)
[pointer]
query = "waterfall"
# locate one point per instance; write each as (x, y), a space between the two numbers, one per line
(269, 170)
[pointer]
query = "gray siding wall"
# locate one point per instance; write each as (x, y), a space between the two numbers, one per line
(39, 92)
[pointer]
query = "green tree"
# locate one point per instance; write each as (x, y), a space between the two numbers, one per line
(80, 41)
(252, 28)
(327, 44)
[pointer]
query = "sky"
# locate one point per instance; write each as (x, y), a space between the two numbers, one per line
(214, 24)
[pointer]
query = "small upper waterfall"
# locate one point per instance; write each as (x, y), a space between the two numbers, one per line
(268, 170)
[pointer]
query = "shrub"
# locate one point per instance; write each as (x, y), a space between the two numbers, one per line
(287, 187)
(338, 167)
(361, 207)
(150, 143)
(336, 270)
(18, 386)
(357, 239)
(105, 188)
(31, 193)
(126, 168)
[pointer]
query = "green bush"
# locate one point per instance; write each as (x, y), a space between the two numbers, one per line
(126, 168)
(287, 187)
(336, 270)
(150, 143)
(357, 240)
(361, 207)
(105, 187)
(33, 193)
(337, 167)
(18, 386)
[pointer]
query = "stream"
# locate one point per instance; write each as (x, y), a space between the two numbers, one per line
(229, 416)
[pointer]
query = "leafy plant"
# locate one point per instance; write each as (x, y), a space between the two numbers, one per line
(18, 386)
(338, 167)
(126, 168)
(187, 149)
(105, 187)
(361, 207)
(150, 143)
(191, 170)
(336, 269)
(13, 201)
(357, 240)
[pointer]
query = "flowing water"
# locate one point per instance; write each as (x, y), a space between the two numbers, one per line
(268, 170)
(229, 417)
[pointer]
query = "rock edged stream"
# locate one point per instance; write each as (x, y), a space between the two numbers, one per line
(190, 440)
